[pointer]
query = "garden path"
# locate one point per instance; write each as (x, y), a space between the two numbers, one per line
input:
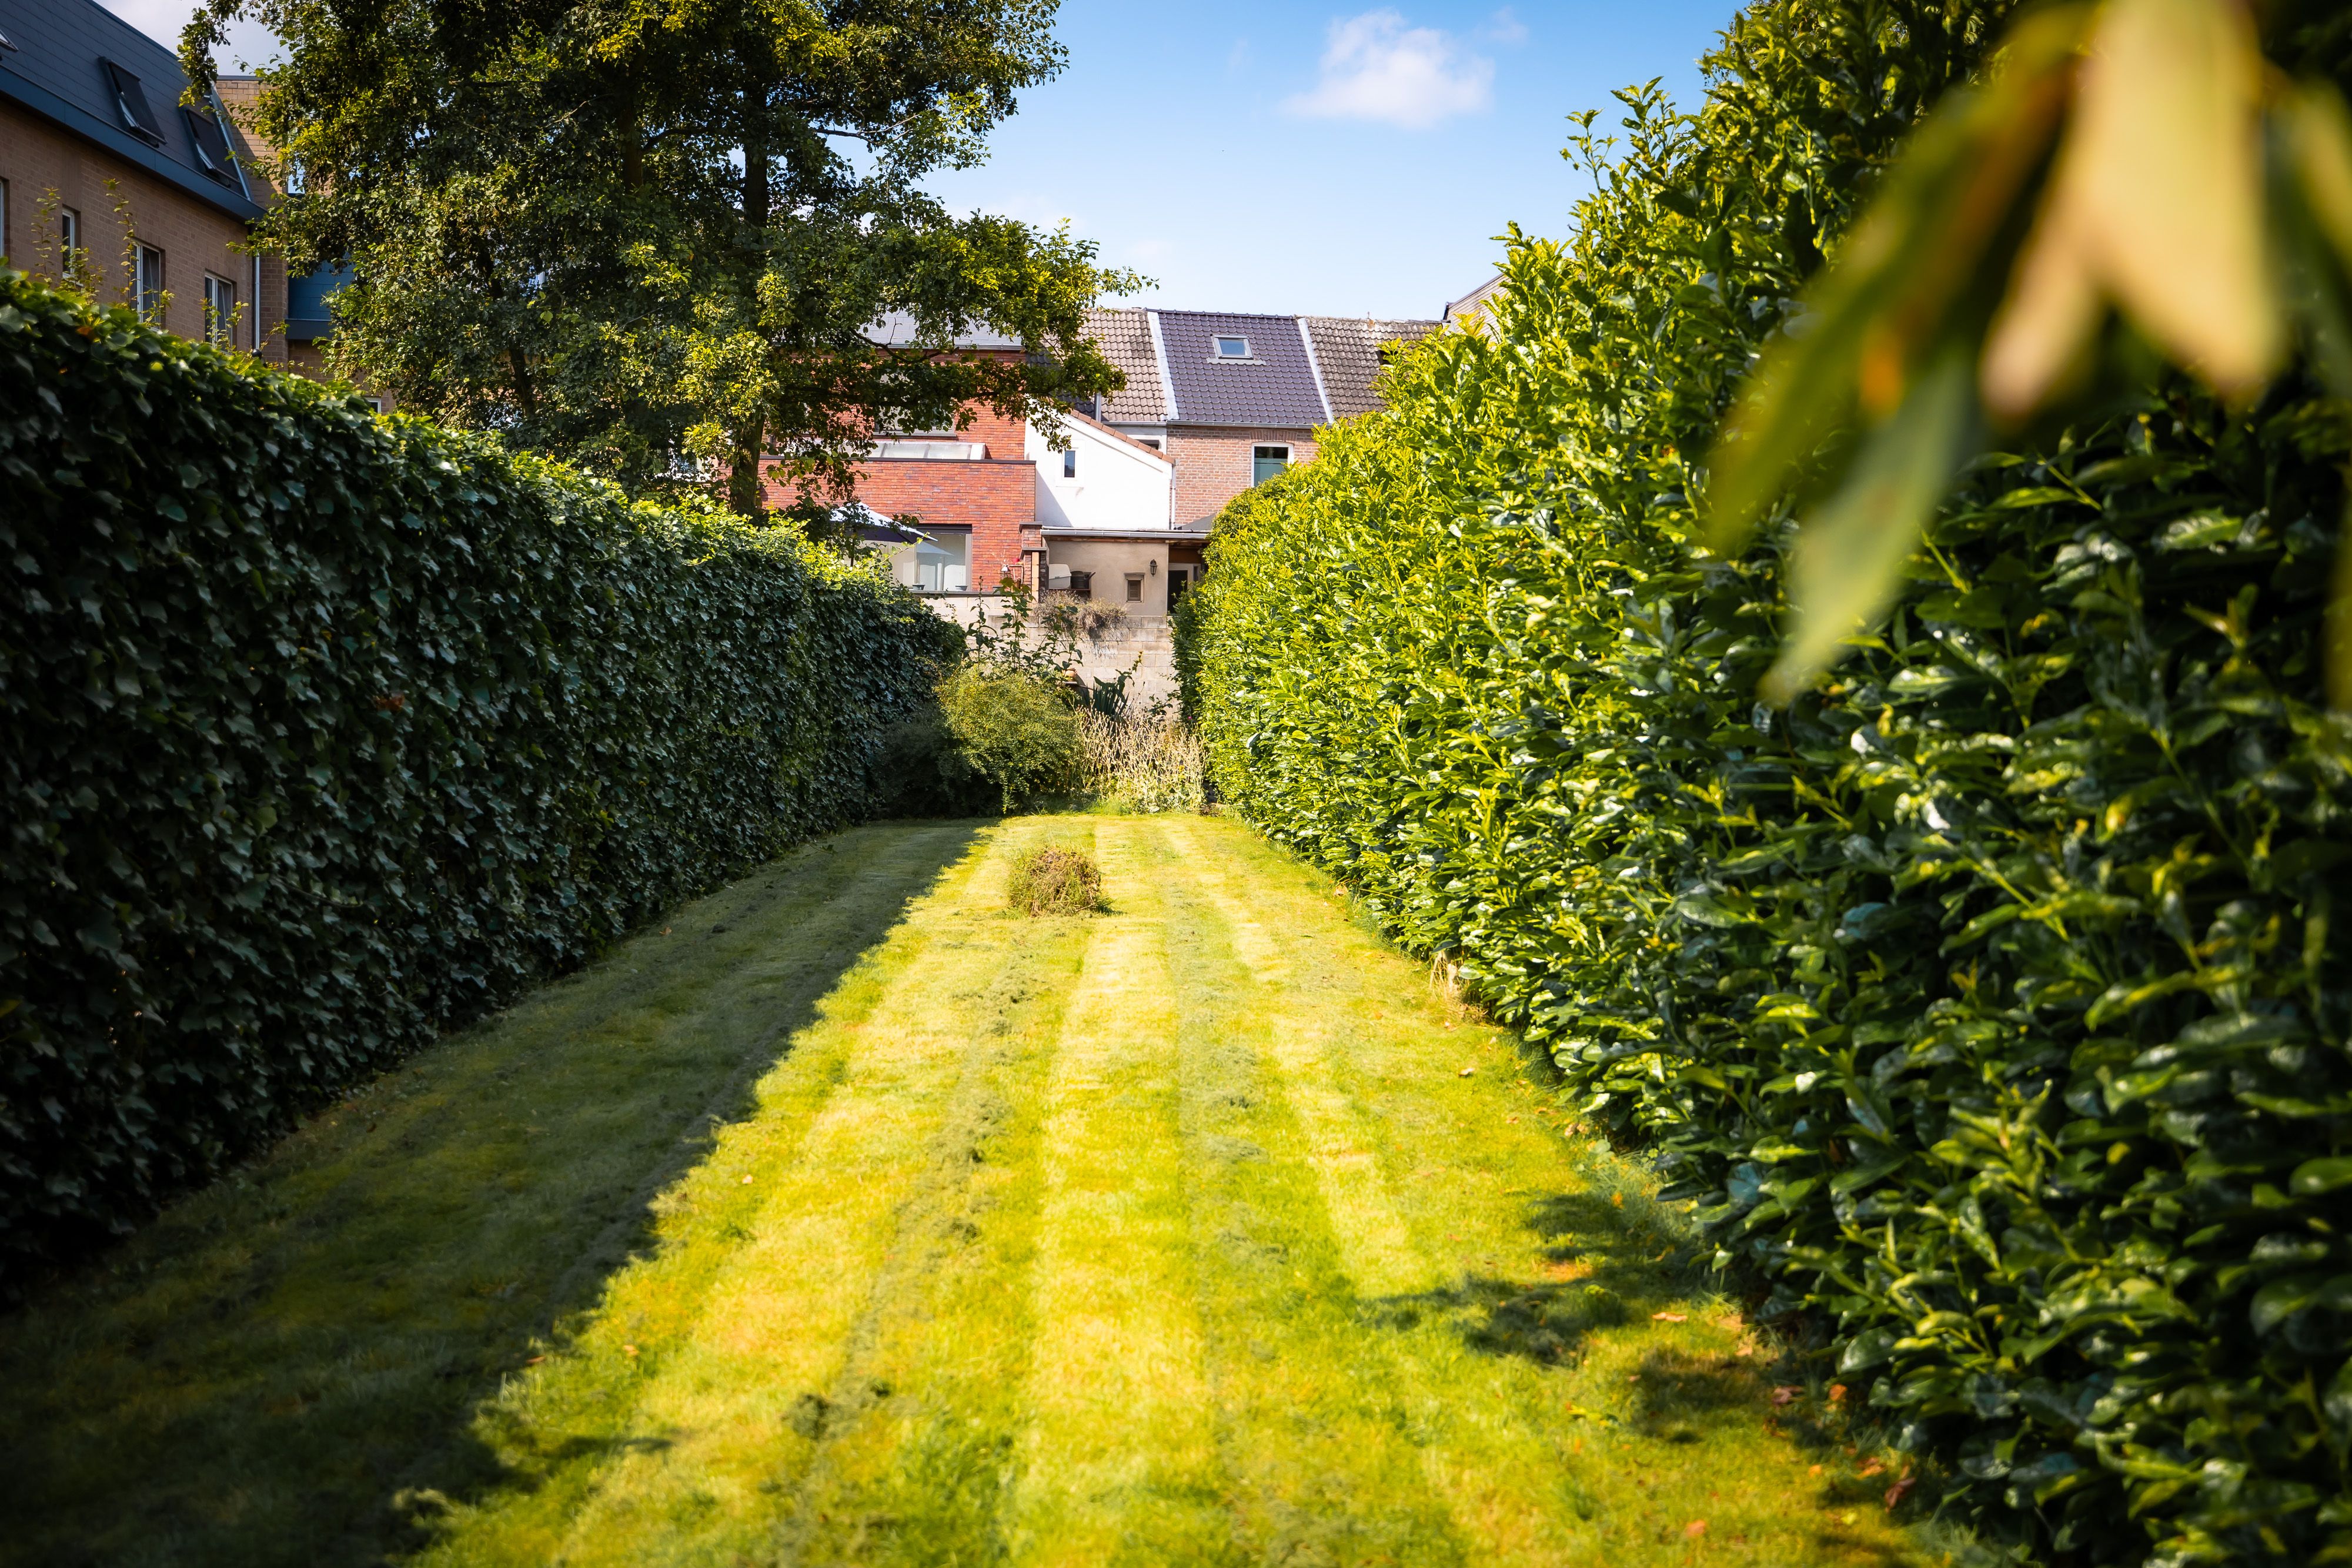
(858, 1219)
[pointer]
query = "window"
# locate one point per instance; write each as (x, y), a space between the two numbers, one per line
(942, 564)
(1135, 587)
(149, 283)
(1070, 463)
(1265, 461)
(1232, 348)
(130, 105)
(69, 240)
(1151, 443)
(220, 310)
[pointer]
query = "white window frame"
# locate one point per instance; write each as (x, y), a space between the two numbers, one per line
(1217, 340)
(220, 319)
(1070, 460)
(68, 240)
(1258, 447)
(142, 291)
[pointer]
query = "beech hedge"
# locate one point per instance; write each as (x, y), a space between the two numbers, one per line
(322, 733)
(1988, 1004)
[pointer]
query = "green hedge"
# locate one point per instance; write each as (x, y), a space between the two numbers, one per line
(322, 733)
(1989, 1003)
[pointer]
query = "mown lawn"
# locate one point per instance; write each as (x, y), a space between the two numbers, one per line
(857, 1219)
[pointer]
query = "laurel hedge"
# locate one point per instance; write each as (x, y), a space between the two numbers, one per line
(1986, 1004)
(322, 733)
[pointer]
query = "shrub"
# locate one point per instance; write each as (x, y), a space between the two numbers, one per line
(1142, 760)
(923, 773)
(321, 733)
(1012, 728)
(1988, 1002)
(1051, 881)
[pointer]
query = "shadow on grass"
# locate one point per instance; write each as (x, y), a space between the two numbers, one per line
(278, 1368)
(1610, 1262)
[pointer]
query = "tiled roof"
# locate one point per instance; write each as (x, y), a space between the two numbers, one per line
(1125, 339)
(57, 70)
(1348, 350)
(1275, 386)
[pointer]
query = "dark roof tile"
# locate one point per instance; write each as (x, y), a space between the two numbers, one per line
(1275, 387)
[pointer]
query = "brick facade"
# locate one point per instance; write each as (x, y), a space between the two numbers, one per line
(996, 499)
(1213, 465)
(37, 158)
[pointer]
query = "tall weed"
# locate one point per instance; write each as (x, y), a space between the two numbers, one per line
(1142, 760)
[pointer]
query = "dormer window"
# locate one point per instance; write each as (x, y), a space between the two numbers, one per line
(1232, 348)
(130, 105)
(212, 153)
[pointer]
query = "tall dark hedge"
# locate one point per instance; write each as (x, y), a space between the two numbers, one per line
(1990, 1003)
(322, 733)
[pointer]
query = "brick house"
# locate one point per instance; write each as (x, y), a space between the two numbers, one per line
(1214, 402)
(1232, 399)
(86, 99)
(102, 170)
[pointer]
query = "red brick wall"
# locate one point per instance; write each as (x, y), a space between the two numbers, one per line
(1003, 438)
(1213, 465)
(996, 499)
(35, 158)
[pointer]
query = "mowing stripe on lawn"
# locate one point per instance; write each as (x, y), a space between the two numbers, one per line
(918, 1455)
(1173, 1234)
(702, 1362)
(1319, 1441)
(1119, 1463)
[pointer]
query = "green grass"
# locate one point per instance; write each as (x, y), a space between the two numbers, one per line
(860, 1219)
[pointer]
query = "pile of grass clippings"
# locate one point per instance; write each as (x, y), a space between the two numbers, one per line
(1052, 881)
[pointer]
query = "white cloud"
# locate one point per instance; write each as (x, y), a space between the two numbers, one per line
(1376, 67)
(1502, 27)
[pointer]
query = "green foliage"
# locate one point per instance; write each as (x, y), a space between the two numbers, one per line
(1986, 1003)
(1050, 880)
(321, 733)
(1015, 730)
(923, 773)
(656, 243)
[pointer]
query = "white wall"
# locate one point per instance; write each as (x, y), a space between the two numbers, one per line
(1116, 486)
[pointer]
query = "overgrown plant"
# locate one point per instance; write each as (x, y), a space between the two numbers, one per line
(1141, 759)
(1012, 728)
(322, 733)
(1054, 880)
(1990, 1002)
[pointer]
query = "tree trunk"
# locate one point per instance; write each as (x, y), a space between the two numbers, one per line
(525, 396)
(751, 432)
(743, 469)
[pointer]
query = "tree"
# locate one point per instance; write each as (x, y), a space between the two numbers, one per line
(656, 240)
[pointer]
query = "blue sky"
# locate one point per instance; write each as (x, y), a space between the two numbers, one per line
(1329, 159)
